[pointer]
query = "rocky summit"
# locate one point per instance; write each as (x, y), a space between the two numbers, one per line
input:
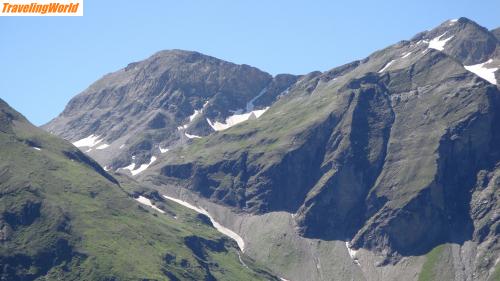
(391, 163)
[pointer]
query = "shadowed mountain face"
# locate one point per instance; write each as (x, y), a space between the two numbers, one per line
(62, 217)
(396, 153)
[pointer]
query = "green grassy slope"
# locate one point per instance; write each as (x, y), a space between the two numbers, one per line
(63, 218)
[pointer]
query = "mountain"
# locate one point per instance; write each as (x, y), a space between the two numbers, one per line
(381, 169)
(62, 217)
(496, 32)
(152, 105)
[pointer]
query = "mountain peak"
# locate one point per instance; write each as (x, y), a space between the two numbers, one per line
(7, 115)
(466, 40)
(182, 55)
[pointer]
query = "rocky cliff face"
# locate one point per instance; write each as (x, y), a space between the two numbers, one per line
(396, 153)
(383, 152)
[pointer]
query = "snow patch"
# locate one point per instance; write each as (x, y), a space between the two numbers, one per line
(129, 167)
(145, 201)
(437, 43)
(163, 150)
(89, 141)
(189, 136)
(36, 148)
(231, 234)
(406, 55)
(241, 260)
(121, 146)
(143, 167)
(240, 116)
(352, 252)
(193, 116)
(480, 70)
(236, 119)
(106, 168)
(283, 279)
(102, 146)
(386, 66)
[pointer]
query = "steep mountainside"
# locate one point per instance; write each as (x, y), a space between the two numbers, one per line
(397, 154)
(62, 217)
(386, 152)
(496, 32)
(131, 116)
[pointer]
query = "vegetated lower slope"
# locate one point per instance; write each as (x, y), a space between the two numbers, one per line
(389, 152)
(62, 217)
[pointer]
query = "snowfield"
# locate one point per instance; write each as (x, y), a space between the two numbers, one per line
(135, 171)
(103, 146)
(228, 232)
(352, 252)
(145, 201)
(236, 119)
(192, 117)
(386, 66)
(143, 167)
(89, 141)
(437, 43)
(406, 55)
(480, 70)
(189, 136)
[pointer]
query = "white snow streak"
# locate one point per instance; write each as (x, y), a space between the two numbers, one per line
(134, 170)
(89, 141)
(386, 66)
(352, 252)
(193, 116)
(231, 234)
(241, 260)
(480, 70)
(236, 119)
(129, 167)
(437, 43)
(102, 146)
(239, 116)
(189, 136)
(163, 150)
(143, 167)
(406, 55)
(37, 148)
(147, 202)
(122, 146)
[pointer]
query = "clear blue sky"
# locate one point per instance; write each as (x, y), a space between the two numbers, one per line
(46, 61)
